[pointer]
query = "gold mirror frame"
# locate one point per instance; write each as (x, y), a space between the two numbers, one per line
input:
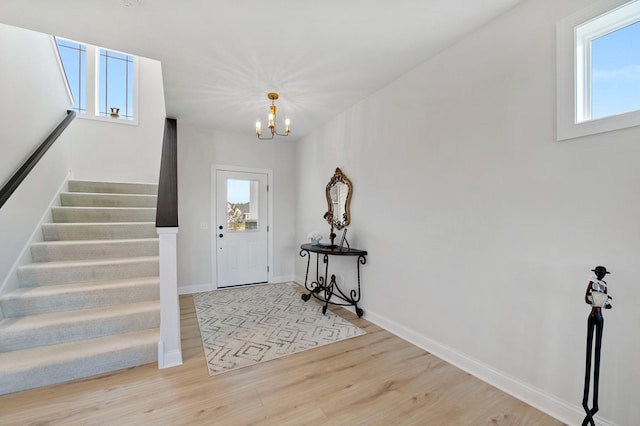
(338, 223)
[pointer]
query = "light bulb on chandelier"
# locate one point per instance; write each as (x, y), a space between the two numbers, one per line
(272, 120)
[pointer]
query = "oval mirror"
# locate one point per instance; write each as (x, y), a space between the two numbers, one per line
(338, 192)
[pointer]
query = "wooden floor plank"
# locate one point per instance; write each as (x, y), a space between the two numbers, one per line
(374, 379)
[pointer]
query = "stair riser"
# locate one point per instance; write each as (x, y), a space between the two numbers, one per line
(68, 232)
(52, 252)
(107, 200)
(49, 373)
(102, 214)
(113, 187)
(90, 329)
(45, 274)
(91, 297)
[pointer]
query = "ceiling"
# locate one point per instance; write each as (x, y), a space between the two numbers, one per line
(221, 58)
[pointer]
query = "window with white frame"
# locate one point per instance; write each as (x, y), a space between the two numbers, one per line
(599, 69)
(103, 82)
(74, 60)
(116, 84)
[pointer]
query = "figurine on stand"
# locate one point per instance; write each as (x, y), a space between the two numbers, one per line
(328, 216)
(596, 296)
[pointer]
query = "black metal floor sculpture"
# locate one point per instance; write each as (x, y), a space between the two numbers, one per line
(598, 298)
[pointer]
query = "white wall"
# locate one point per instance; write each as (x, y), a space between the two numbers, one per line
(34, 101)
(198, 150)
(481, 228)
(114, 151)
(34, 98)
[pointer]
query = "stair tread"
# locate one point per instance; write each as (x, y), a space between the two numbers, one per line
(68, 263)
(103, 187)
(97, 242)
(72, 197)
(88, 214)
(126, 194)
(97, 199)
(77, 287)
(111, 182)
(70, 250)
(90, 225)
(26, 359)
(101, 208)
(56, 319)
(97, 223)
(77, 231)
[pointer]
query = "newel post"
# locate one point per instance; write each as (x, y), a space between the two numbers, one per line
(169, 346)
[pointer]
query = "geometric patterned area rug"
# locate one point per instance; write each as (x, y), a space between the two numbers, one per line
(243, 326)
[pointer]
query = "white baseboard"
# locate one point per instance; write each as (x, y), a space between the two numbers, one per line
(201, 288)
(196, 288)
(561, 410)
(282, 279)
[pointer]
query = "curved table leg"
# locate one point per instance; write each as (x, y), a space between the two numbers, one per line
(328, 285)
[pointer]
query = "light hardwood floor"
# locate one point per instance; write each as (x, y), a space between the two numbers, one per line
(375, 379)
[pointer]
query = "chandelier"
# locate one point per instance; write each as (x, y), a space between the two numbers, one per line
(272, 120)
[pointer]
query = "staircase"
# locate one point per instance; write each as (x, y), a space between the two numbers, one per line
(89, 302)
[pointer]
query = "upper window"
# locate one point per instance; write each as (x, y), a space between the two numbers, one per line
(116, 84)
(102, 81)
(599, 69)
(74, 60)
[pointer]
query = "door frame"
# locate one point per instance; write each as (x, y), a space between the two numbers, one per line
(214, 209)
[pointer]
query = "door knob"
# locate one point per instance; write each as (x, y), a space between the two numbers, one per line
(220, 235)
(220, 227)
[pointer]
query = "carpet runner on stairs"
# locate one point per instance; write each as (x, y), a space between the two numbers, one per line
(89, 302)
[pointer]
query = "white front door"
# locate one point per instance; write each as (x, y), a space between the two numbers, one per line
(241, 228)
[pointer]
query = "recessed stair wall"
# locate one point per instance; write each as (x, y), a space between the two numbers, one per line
(89, 301)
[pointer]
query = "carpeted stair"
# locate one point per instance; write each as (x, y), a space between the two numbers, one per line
(89, 302)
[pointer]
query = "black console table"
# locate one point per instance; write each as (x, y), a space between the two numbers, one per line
(324, 290)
